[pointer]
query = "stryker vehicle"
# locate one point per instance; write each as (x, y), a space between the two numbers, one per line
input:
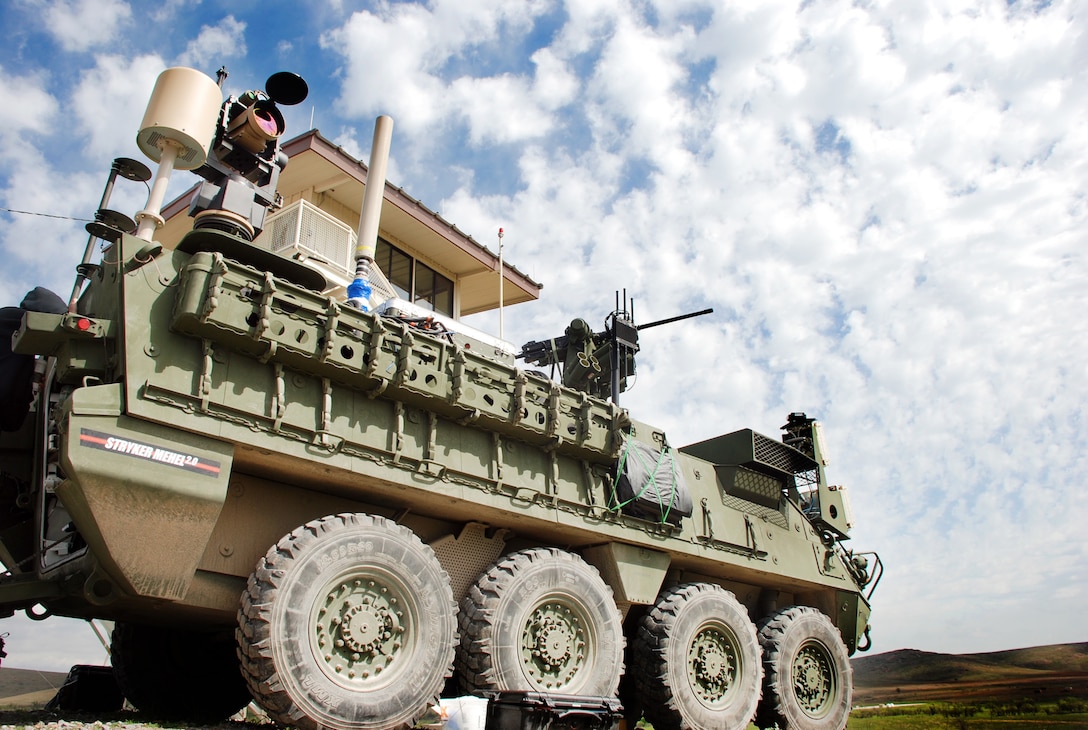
(343, 510)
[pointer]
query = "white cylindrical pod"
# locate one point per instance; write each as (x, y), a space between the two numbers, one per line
(184, 108)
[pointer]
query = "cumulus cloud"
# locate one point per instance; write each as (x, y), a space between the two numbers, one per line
(885, 212)
(222, 41)
(81, 25)
(42, 245)
(35, 110)
(106, 97)
(416, 62)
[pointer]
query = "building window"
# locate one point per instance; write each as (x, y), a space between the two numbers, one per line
(414, 281)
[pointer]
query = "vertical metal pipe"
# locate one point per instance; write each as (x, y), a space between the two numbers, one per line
(149, 219)
(370, 213)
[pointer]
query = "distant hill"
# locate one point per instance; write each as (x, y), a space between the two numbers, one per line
(22, 687)
(1060, 669)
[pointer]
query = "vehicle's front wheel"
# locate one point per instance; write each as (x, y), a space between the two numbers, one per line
(698, 663)
(541, 620)
(176, 674)
(348, 622)
(808, 683)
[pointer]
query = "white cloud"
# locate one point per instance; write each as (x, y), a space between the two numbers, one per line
(36, 108)
(498, 109)
(167, 11)
(397, 62)
(110, 98)
(215, 43)
(386, 66)
(555, 84)
(42, 246)
(80, 25)
(919, 289)
(54, 645)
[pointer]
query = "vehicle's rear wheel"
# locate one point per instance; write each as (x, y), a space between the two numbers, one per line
(348, 622)
(808, 683)
(698, 663)
(173, 674)
(541, 620)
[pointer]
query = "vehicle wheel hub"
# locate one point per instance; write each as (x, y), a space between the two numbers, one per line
(554, 643)
(712, 665)
(812, 680)
(363, 627)
(359, 630)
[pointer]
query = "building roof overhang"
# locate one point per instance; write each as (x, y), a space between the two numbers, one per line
(327, 170)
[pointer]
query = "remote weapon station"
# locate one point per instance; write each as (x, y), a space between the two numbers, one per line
(343, 511)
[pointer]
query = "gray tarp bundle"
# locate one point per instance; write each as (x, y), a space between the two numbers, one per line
(16, 371)
(649, 484)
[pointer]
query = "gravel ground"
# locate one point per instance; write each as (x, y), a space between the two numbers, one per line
(45, 720)
(125, 720)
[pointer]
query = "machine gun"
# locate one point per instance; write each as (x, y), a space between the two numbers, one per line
(597, 363)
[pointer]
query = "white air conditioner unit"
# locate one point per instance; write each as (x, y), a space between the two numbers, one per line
(306, 229)
(308, 234)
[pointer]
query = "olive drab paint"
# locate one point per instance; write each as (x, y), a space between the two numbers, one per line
(345, 505)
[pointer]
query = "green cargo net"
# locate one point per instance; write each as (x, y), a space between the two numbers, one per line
(648, 484)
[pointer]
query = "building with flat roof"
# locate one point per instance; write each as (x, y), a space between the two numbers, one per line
(423, 258)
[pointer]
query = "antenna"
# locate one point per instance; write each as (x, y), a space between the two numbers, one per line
(501, 277)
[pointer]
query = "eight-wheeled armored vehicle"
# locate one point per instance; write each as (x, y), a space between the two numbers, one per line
(343, 508)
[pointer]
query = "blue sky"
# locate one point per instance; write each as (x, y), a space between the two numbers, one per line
(884, 203)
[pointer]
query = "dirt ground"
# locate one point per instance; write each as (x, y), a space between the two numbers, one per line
(1041, 689)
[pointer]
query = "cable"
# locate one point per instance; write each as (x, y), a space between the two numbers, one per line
(46, 215)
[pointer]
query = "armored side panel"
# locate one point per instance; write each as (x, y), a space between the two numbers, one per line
(280, 497)
(198, 410)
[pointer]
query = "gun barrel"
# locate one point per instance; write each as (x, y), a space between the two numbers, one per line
(670, 320)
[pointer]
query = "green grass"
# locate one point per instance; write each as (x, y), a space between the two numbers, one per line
(1066, 714)
(938, 722)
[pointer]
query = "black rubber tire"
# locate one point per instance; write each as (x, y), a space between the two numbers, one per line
(808, 680)
(698, 662)
(541, 620)
(348, 622)
(178, 675)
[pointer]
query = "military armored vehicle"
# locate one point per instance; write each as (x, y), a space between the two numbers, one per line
(345, 509)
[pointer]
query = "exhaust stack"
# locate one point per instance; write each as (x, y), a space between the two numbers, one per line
(370, 215)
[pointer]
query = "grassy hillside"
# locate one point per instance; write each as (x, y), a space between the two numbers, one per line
(908, 675)
(910, 666)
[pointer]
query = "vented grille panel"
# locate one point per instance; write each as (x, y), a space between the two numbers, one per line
(777, 454)
(775, 517)
(753, 450)
(750, 485)
(467, 556)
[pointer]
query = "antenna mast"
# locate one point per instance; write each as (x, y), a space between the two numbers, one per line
(500, 283)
